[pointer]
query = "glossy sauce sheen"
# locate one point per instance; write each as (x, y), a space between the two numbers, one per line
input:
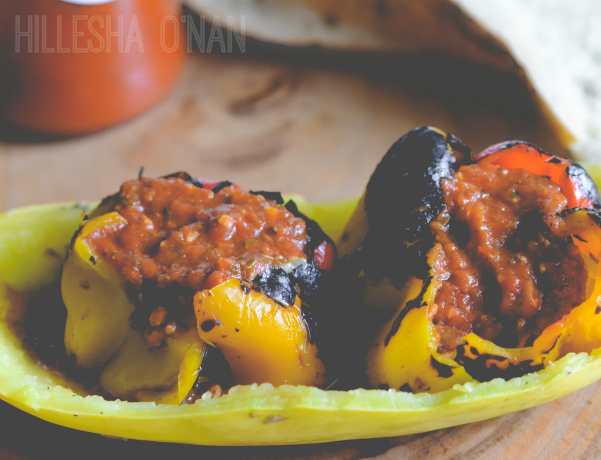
(508, 270)
(177, 232)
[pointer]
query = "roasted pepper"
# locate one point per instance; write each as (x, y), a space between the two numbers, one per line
(490, 266)
(263, 341)
(98, 331)
(141, 257)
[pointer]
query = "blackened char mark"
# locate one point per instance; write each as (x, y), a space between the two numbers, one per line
(207, 325)
(274, 196)
(595, 216)
(277, 285)
(509, 144)
(567, 212)
(190, 180)
(308, 279)
(443, 370)
(221, 185)
(74, 237)
(310, 322)
(185, 177)
(403, 196)
(106, 205)
(282, 287)
(415, 303)
(457, 145)
(483, 367)
(504, 146)
(582, 181)
(245, 288)
(406, 388)
(315, 234)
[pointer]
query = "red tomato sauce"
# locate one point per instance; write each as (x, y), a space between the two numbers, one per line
(179, 232)
(181, 235)
(508, 267)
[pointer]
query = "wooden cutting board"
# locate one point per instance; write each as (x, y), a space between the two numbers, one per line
(306, 122)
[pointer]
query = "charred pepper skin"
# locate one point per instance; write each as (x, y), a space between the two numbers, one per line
(403, 196)
(386, 243)
(389, 363)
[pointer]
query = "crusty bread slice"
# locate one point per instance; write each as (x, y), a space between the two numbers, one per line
(552, 45)
(558, 43)
(363, 25)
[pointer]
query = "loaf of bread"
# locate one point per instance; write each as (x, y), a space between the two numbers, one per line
(554, 46)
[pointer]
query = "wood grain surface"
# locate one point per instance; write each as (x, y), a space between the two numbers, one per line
(311, 128)
(303, 122)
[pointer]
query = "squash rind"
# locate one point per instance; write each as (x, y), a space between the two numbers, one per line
(251, 415)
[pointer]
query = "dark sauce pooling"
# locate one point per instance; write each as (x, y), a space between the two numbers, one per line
(38, 320)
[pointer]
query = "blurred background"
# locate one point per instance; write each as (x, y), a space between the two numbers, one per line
(87, 102)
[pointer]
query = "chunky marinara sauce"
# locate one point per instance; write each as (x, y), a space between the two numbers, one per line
(508, 268)
(180, 239)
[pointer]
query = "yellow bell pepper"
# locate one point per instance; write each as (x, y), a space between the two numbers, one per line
(404, 356)
(163, 375)
(97, 331)
(261, 340)
(97, 307)
(274, 345)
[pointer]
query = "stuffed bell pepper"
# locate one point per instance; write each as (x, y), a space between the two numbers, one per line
(176, 285)
(479, 266)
